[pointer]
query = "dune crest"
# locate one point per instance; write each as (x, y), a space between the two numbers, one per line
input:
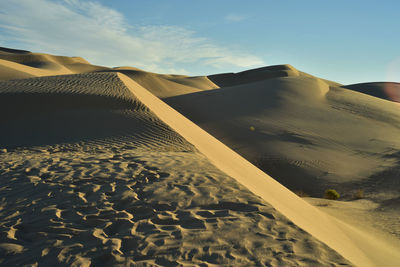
(19, 64)
(164, 85)
(385, 90)
(301, 213)
(97, 169)
(115, 185)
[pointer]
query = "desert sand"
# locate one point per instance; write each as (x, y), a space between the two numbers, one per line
(324, 135)
(108, 166)
(16, 64)
(384, 90)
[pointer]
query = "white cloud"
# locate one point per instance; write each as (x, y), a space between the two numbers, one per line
(102, 35)
(235, 18)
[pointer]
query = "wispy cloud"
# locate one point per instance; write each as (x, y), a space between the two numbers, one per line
(235, 17)
(102, 35)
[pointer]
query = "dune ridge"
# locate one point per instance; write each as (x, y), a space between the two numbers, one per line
(19, 64)
(260, 74)
(90, 85)
(139, 180)
(302, 127)
(385, 90)
(164, 85)
(297, 210)
(108, 186)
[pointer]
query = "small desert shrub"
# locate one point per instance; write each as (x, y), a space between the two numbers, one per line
(331, 194)
(359, 194)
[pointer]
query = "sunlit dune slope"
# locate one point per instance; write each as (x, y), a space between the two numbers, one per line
(164, 85)
(20, 64)
(17, 64)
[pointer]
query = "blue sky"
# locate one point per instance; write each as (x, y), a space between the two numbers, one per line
(345, 41)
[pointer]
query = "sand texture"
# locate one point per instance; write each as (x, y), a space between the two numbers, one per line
(19, 64)
(306, 134)
(138, 194)
(358, 246)
(105, 205)
(109, 167)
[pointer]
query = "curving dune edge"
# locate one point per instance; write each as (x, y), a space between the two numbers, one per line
(121, 167)
(352, 244)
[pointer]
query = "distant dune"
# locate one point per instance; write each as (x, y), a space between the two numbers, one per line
(385, 90)
(260, 74)
(17, 64)
(307, 134)
(97, 170)
(20, 64)
(163, 85)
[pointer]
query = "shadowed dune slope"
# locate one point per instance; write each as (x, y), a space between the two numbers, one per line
(101, 90)
(14, 51)
(116, 185)
(70, 108)
(101, 84)
(385, 90)
(306, 134)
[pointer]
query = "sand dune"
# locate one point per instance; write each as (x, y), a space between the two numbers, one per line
(385, 90)
(136, 192)
(336, 234)
(163, 86)
(17, 64)
(97, 170)
(20, 64)
(304, 133)
(260, 74)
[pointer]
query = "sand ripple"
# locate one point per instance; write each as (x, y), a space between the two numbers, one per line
(108, 207)
(100, 184)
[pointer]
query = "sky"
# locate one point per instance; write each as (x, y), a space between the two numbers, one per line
(345, 41)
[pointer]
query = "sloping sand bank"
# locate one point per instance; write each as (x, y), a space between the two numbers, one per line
(352, 244)
(385, 90)
(92, 184)
(100, 171)
(306, 134)
(20, 64)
